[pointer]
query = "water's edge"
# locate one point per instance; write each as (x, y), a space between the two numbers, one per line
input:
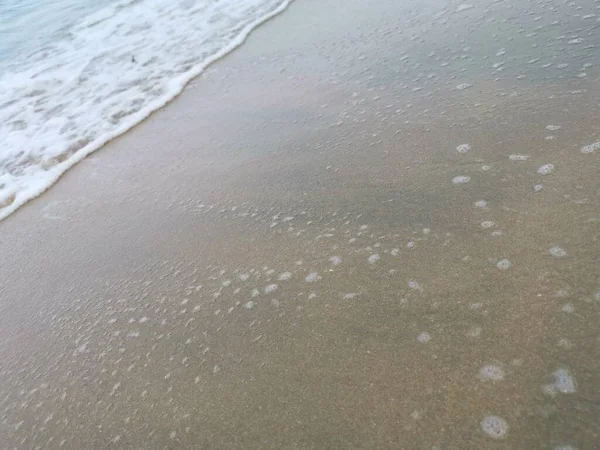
(175, 87)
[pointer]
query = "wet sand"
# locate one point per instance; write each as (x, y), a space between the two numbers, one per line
(300, 251)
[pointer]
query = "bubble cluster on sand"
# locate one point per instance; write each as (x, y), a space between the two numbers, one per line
(504, 264)
(568, 308)
(557, 252)
(518, 157)
(335, 260)
(461, 179)
(495, 427)
(463, 86)
(553, 127)
(487, 224)
(270, 288)
(373, 258)
(591, 148)
(546, 169)
(538, 187)
(463, 148)
(424, 337)
(480, 204)
(285, 276)
(312, 277)
(491, 372)
(564, 383)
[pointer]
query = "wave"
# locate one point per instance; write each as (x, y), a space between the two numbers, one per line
(117, 66)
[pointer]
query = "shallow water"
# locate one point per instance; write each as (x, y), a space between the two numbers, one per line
(322, 282)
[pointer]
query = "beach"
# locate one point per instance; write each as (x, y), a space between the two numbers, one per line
(367, 227)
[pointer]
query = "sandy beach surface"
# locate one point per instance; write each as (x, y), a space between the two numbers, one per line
(375, 225)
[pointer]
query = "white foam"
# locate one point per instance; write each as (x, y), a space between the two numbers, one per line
(463, 148)
(270, 288)
(504, 264)
(546, 169)
(518, 157)
(480, 204)
(312, 277)
(285, 276)
(373, 258)
(424, 337)
(495, 427)
(491, 372)
(463, 86)
(553, 127)
(413, 284)
(557, 252)
(564, 382)
(335, 260)
(67, 101)
(487, 224)
(591, 148)
(461, 179)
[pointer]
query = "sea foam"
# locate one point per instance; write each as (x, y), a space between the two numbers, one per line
(111, 71)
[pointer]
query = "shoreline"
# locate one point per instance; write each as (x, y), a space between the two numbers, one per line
(13, 201)
(280, 257)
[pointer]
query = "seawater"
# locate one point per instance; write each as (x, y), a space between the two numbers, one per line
(75, 75)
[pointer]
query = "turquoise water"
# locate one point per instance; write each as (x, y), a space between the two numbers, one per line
(26, 26)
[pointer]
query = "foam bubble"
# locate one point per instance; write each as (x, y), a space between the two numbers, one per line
(270, 288)
(335, 260)
(487, 224)
(491, 372)
(285, 276)
(546, 169)
(495, 427)
(373, 258)
(519, 157)
(591, 148)
(480, 204)
(564, 382)
(504, 264)
(424, 337)
(538, 187)
(463, 86)
(557, 252)
(461, 179)
(413, 284)
(312, 277)
(463, 148)
(553, 127)
(568, 308)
